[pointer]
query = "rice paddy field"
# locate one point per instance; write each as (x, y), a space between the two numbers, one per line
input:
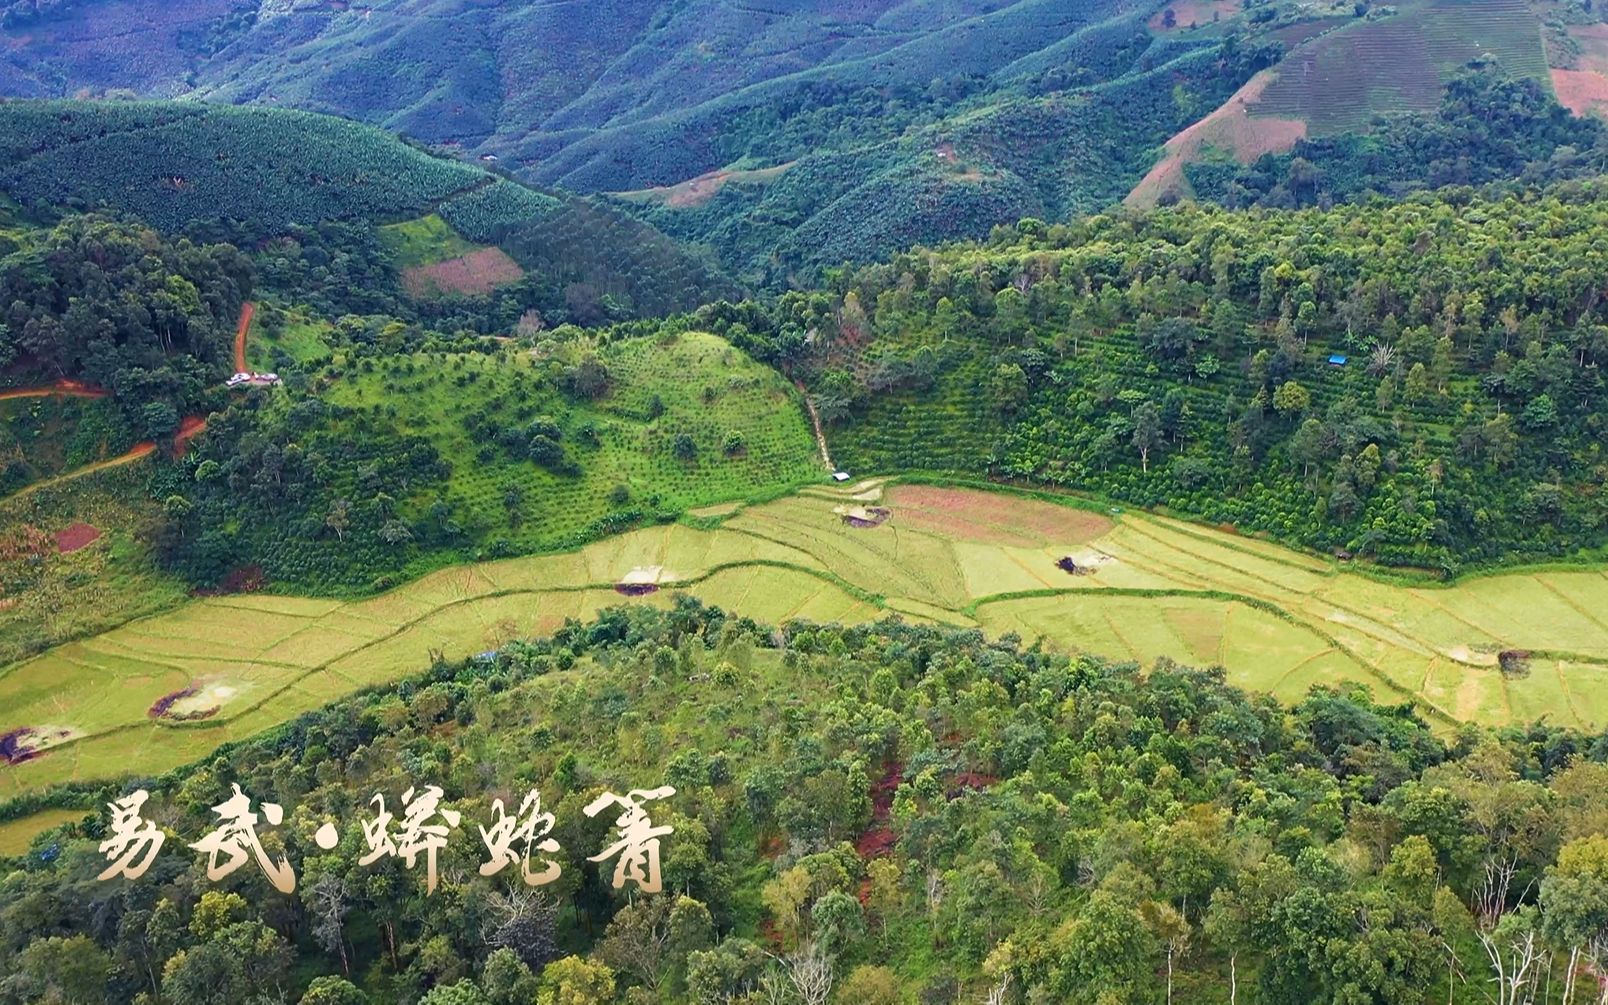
(166, 689)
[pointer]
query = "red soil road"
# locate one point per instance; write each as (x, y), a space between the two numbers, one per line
(189, 429)
(64, 387)
(248, 310)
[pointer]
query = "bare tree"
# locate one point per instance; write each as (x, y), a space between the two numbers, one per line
(997, 993)
(1516, 953)
(638, 940)
(1382, 360)
(775, 988)
(328, 901)
(810, 971)
(526, 922)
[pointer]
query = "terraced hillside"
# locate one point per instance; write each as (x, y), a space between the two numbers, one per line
(1340, 81)
(164, 690)
(1345, 70)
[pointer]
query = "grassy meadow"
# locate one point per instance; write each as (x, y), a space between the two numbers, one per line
(1498, 649)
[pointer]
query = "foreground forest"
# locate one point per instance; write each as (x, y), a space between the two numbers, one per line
(874, 815)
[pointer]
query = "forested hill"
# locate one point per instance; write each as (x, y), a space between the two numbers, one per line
(1489, 130)
(790, 138)
(786, 136)
(860, 815)
(319, 190)
(1417, 382)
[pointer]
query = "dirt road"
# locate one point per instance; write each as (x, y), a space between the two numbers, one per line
(64, 388)
(248, 310)
(138, 451)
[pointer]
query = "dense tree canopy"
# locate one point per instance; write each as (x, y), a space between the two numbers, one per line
(884, 809)
(117, 306)
(1418, 381)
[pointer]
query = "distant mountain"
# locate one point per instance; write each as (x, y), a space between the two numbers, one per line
(785, 135)
(251, 175)
(791, 136)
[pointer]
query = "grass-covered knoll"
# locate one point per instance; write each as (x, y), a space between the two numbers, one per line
(423, 241)
(286, 340)
(1500, 650)
(171, 164)
(914, 810)
(398, 451)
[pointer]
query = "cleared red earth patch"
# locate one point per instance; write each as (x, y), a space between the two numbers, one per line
(879, 840)
(1232, 128)
(76, 536)
(474, 274)
(1581, 91)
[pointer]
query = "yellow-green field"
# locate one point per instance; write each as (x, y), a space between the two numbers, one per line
(16, 835)
(1144, 587)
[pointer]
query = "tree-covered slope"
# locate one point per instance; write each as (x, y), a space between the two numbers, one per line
(1419, 382)
(1489, 129)
(395, 449)
(261, 177)
(121, 309)
(886, 123)
(172, 164)
(872, 815)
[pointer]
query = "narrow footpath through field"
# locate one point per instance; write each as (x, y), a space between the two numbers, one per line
(815, 420)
